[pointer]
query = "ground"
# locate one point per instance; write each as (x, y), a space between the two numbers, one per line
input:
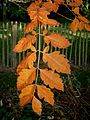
(72, 104)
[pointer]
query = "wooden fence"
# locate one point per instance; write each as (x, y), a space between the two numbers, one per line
(78, 53)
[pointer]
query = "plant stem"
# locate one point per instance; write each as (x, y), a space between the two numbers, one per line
(39, 48)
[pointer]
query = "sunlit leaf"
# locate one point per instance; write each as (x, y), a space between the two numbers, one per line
(57, 40)
(44, 92)
(36, 106)
(26, 77)
(74, 25)
(57, 61)
(52, 79)
(26, 95)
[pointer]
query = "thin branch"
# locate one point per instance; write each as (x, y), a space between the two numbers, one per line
(64, 17)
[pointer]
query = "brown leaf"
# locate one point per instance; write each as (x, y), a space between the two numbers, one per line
(26, 77)
(52, 79)
(36, 106)
(25, 43)
(57, 61)
(57, 40)
(26, 95)
(74, 25)
(44, 92)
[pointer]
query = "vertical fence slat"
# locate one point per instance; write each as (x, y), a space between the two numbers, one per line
(3, 45)
(86, 47)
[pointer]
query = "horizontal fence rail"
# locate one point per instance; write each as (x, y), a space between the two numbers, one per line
(10, 32)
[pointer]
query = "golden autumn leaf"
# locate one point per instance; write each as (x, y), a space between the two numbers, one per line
(32, 10)
(59, 1)
(36, 106)
(76, 3)
(45, 32)
(87, 26)
(52, 79)
(26, 77)
(30, 26)
(23, 64)
(25, 43)
(74, 25)
(46, 93)
(76, 10)
(49, 6)
(26, 95)
(83, 19)
(46, 49)
(31, 59)
(57, 61)
(57, 40)
(81, 25)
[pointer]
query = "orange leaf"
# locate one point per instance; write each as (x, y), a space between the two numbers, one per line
(52, 79)
(87, 26)
(59, 1)
(81, 25)
(32, 10)
(36, 106)
(46, 49)
(26, 95)
(26, 77)
(76, 3)
(57, 61)
(83, 19)
(30, 26)
(23, 64)
(57, 40)
(74, 25)
(76, 10)
(45, 32)
(44, 92)
(49, 6)
(31, 59)
(25, 43)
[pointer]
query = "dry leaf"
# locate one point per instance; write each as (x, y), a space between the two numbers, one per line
(46, 49)
(36, 106)
(81, 25)
(30, 26)
(52, 79)
(57, 61)
(44, 92)
(57, 40)
(87, 26)
(23, 64)
(26, 95)
(25, 43)
(74, 25)
(83, 19)
(26, 77)
(76, 10)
